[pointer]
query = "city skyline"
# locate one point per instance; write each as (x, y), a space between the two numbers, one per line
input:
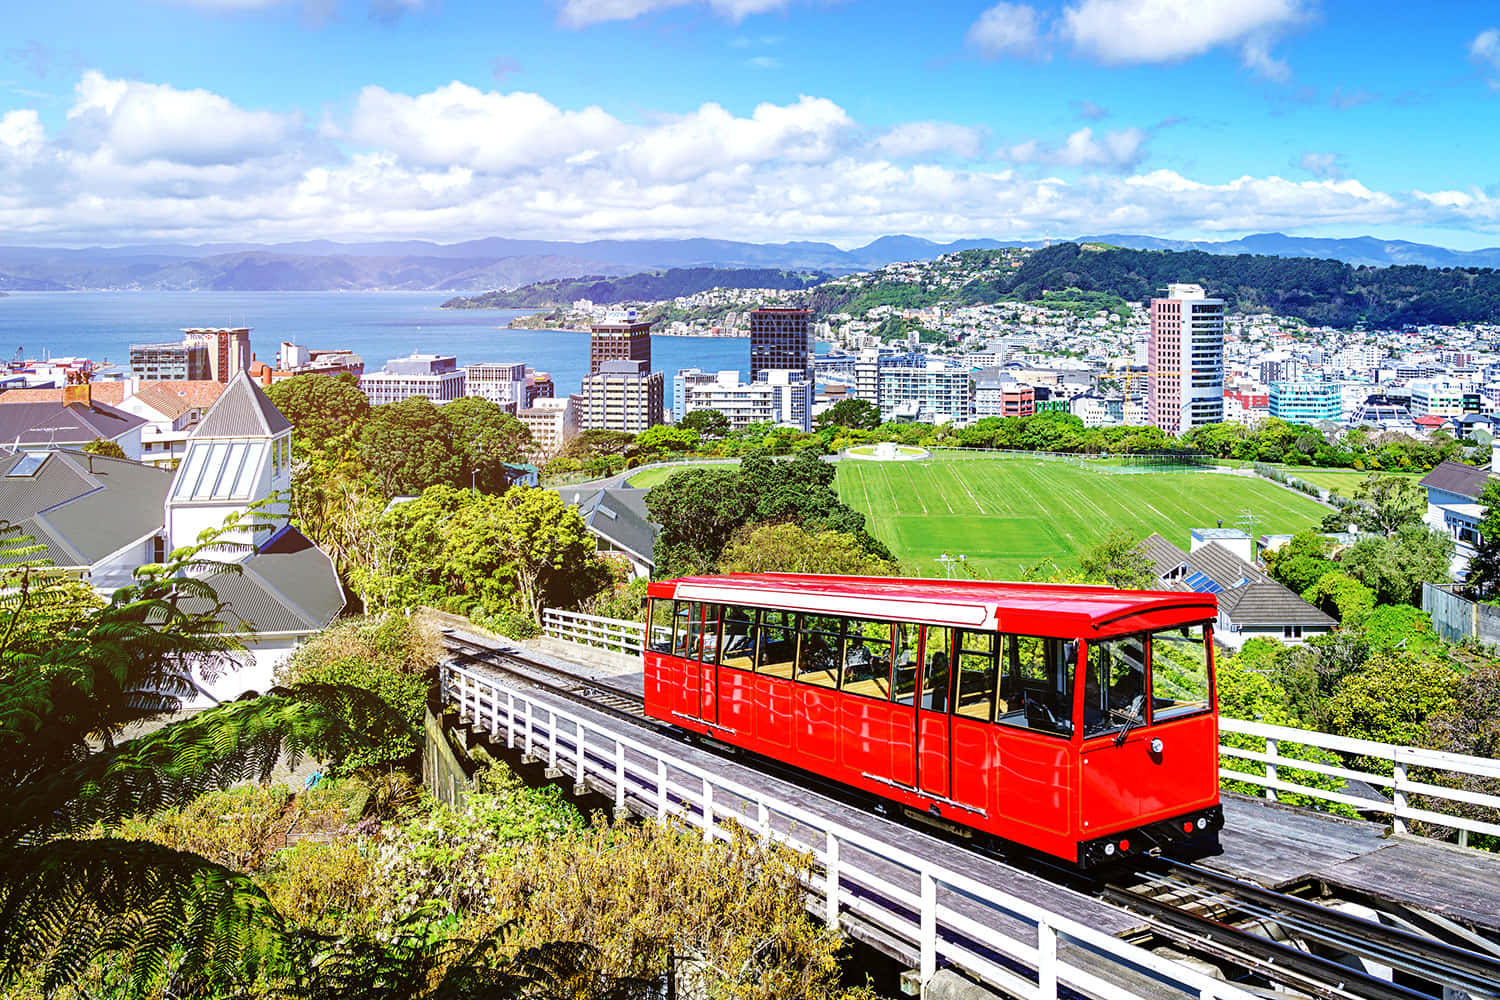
(764, 120)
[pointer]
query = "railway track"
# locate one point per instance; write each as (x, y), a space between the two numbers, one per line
(1259, 937)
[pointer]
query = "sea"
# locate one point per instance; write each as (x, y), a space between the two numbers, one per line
(378, 326)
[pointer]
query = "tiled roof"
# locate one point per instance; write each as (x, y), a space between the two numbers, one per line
(173, 399)
(109, 393)
(242, 411)
(1165, 557)
(1270, 603)
(1246, 595)
(1455, 477)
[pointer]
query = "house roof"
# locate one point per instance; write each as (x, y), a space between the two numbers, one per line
(243, 410)
(288, 585)
(109, 393)
(617, 515)
(1429, 421)
(1455, 477)
(1246, 595)
(46, 425)
(82, 507)
(1270, 603)
(1165, 557)
(171, 402)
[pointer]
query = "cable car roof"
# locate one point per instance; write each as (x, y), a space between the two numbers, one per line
(1028, 608)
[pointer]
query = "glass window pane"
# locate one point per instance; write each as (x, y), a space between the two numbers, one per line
(1114, 692)
(231, 472)
(867, 659)
(935, 676)
(738, 639)
(906, 663)
(818, 650)
(778, 643)
(976, 676)
(1179, 672)
(249, 472)
(660, 639)
(1039, 683)
(192, 471)
(216, 455)
(708, 648)
(684, 617)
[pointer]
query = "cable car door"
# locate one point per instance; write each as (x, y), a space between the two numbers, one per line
(934, 733)
(708, 666)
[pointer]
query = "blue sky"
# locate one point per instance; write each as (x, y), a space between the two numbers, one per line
(768, 120)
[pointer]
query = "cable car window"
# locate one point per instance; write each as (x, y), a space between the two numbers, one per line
(867, 659)
(818, 650)
(935, 675)
(906, 663)
(708, 648)
(738, 641)
(977, 677)
(685, 629)
(1039, 671)
(661, 626)
(778, 643)
(1179, 672)
(1114, 692)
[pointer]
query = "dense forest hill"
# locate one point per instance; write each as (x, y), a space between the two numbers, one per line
(1322, 292)
(648, 286)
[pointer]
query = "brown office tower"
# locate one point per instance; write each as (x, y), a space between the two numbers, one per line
(228, 349)
(781, 340)
(620, 337)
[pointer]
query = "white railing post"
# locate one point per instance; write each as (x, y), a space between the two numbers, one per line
(1272, 771)
(578, 785)
(510, 720)
(1398, 797)
(661, 788)
(831, 880)
(708, 811)
(928, 933)
(1046, 961)
(619, 777)
(552, 739)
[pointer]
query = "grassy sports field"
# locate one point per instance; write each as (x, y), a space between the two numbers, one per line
(655, 477)
(1006, 514)
(1342, 481)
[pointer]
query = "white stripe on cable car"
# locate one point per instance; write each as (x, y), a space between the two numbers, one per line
(861, 607)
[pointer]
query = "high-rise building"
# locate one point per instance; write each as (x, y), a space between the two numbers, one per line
(435, 376)
(621, 337)
(682, 382)
(778, 398)
(228, 349)
(1000, 398)
(939, 392)
(1185, 360)
(781, 340)
(1304, 402)
(622, 396)
(176, 362)
(502, 383)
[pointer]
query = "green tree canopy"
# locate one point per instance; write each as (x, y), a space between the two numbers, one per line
(1396, 567)
(1388, 503)
(484, 439)
(710, 424)
(860, 414)
(1118, 560)
(324, 410)
(1338, 594)
(109, 449)
(1484, 568)
(789, 548)
(407, 446)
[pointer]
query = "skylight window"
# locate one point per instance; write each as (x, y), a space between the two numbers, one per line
(221, 470)
(30, 464)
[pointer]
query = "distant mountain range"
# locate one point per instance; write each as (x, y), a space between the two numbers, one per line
(501, 263)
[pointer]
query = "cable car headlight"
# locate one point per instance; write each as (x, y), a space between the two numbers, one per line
(1109, 850)
(1203, 822)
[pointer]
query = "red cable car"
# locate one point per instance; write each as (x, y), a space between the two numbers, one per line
(1076, 720)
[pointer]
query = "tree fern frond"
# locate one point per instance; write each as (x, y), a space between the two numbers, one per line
(67, 903)
(215, 748)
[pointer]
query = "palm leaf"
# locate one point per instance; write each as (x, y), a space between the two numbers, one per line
(66, 903)
(215, 748)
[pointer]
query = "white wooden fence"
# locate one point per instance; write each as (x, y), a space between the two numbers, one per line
(938, 914)
(591, 630)
(629, 637)
(1400, 783)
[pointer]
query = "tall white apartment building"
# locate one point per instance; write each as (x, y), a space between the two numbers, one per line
(435, 376)
(502, 383)
(939, 392)
(779, 397)
(1185, 360)
(553, 422)
(1437, 399)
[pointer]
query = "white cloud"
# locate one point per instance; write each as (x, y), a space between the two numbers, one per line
(487, 131)
(921, 138)
(582, 13)
(1149, 31)
(1121, 149)
(1329, 165)
(456, 163)
(1006, 29)
(136, 122)
(1485, 50)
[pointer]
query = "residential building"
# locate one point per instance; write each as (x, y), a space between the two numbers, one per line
(622, 396)
(171, 411)
(939, 392)
(781, 340)
(502, 383)
(1251, 604)
(293, 360)
(621, 337)
(995, 398)
(1453, 505)
(435, 376)
(618, 519)
(780, 397)
(180, 361)
(74, 421)
(1185, 360)
(228, 350)
(553, 422)
(1280, 369)
(1246, 407)
(1306, 402)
